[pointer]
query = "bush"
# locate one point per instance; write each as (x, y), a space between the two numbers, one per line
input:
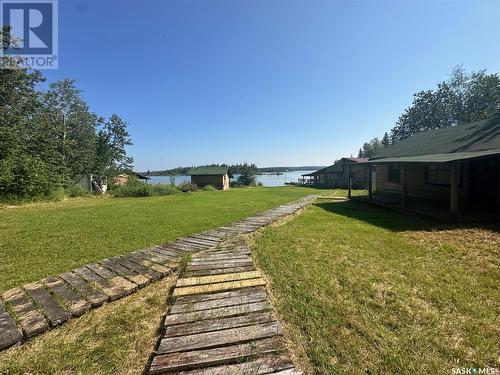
(140, 189)
(164, 189)
(133, 190)
(24, 178)
(209, 188)
(74, 191)
(188, 186)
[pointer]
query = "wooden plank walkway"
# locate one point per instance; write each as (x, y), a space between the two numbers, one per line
(40, 306)
(221, 323)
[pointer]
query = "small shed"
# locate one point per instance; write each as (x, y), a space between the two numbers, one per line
(218, 177)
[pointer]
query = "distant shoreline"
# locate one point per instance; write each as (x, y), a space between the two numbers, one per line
(265, 170)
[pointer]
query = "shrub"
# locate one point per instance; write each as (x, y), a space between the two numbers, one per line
(74, 191)
(188, 186)
(140, 189)
(133, 190)
(24, 178)
(164, 189)
(209, 188)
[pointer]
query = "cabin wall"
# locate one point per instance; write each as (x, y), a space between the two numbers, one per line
(417, 186)
(217, 181)
(341, 179)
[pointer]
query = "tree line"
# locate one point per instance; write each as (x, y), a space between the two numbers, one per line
(464, 97)
(233, 169)
(49, 137)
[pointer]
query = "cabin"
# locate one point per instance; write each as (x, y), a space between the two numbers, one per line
(454, 170)
(218, 177)
(337, 175)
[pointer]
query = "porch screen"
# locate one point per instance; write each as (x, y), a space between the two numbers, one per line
(438, 174)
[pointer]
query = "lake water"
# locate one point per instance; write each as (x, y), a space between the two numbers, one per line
(265, 179)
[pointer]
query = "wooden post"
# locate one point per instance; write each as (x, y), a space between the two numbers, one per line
(349, 184)
(404, 187)
(370, 182)
(498, 183)
(454, 181)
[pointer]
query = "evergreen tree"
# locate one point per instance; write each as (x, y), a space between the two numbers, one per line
(247, 176)
(386, 142)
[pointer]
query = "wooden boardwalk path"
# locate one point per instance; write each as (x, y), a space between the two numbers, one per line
(37, 307)
(222, 321)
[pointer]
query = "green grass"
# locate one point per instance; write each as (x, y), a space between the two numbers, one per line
(117, 338)
(365, 290)
(43, 239)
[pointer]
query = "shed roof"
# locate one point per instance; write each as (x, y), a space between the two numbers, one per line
(470, 137)
(198, 171)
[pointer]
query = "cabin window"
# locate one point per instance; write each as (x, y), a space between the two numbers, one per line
(438, 174)
(394, 173)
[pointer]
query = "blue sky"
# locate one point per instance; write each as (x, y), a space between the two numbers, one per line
(277, 83)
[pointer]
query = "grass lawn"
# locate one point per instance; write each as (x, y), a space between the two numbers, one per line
(44, 239)
(114, 339)
(365, 290)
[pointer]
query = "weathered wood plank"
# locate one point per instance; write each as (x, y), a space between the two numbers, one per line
(208, 266)
(74, 303)
(166, 254)
(186, 247)
(126, 285)
(218, 271)
(195, 298)
(144, 261)
(219, 338)
(220, 260)
(93, 295)
(208, 237)
(139, 268)
(222, 312)
(9, 333)
(109, 289)
(55, 313)
(169, 248)
(160, 259)
(126, 272)
(270, 364)
(218, 324)
(101, 271)
(212, 357)
(216, 303)
(190, 281)
(31, 319)
(209, 288)
(199, 241)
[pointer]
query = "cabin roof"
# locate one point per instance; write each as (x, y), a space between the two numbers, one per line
(337, 167)
(200, 171)
(477, 136)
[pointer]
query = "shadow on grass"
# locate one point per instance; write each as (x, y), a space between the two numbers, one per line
(394, 221)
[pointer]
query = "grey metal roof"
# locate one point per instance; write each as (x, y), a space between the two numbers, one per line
(473, 136)
(434, 158)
